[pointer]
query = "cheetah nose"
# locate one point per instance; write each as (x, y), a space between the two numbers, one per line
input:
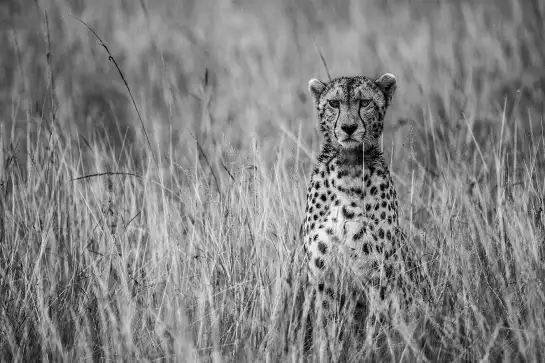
(349, 129)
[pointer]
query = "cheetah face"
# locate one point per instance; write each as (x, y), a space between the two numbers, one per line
(351, 109)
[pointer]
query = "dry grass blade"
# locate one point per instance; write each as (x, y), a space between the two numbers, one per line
(323, 62)
(106, 173)
(112, 59)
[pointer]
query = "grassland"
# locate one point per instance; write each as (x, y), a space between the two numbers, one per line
(167, 234)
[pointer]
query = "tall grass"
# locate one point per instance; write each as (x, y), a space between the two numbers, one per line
(110, 250)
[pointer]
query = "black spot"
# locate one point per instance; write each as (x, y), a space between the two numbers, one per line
(342, 301)
(365, 248)
(380, 233)
(318, 205)
(384, 204)
(356, 191)
(375, 237)
(334, 220)
(368, 207)
(312, 225)
(317, 185)
(315, 217)
(311, 209)
(383, 215)
(326, 183)
(388, 196)
(315, 194)
(313, 201)
(382, 187)
(389, 272)
(389, 220)
(333, 197)
(322, 247)
(347, 214)
(353, 204)
(365, 177)
(382, 292)
(321, 286)
(379, 248)
(322, 173)
(359, 234)
(361, 310)
(325, 304)
(329, 231)
(319, 263)
(323, 197)
(337, 202)
(322, 212)
(382, 196)
(376, 206)
(368, 184)
(373, 190)
(389, 235)
(376, 221)
(389, 254)
(315, 237)
(342, 173)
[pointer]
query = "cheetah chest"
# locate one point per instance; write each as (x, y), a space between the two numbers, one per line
(351, 221)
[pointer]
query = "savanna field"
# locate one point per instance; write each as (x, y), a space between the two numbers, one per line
(150, 203)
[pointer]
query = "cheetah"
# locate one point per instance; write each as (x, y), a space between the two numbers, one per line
(351, 232)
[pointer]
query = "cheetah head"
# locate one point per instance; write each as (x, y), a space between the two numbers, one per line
(351, 109)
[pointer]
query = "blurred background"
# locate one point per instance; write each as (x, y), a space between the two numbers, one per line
(457, 62)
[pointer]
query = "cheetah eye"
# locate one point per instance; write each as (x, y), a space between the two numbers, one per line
(365, 103)
(333, 103)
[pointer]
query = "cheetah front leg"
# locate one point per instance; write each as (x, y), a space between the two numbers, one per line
(338, 291)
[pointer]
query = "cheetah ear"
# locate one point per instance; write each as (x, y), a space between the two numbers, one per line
(387, 83)
(316, 87)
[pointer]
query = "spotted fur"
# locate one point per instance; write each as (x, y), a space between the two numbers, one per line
(351, 229)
